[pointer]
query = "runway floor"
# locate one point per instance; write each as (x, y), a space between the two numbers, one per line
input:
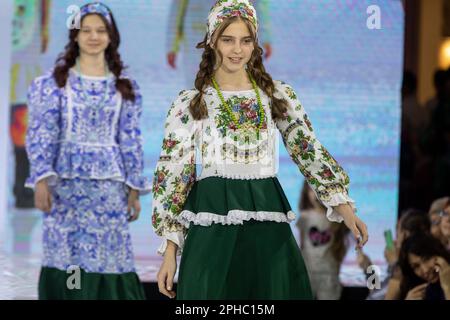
(20, 273)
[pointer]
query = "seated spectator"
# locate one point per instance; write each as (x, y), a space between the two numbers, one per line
(445, 225)
(412, 221)
(424, 264)
(434, 213)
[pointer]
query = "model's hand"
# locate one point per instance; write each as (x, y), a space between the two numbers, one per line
(356, 226)
(167, 271)
(363, 260)
(134, 205)
(42, 196)
(417, 293)
(171, 58)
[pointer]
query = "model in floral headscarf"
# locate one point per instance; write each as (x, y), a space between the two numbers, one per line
(230, 221)
(186, 28)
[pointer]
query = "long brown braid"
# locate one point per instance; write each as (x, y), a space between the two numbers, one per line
(255, 67)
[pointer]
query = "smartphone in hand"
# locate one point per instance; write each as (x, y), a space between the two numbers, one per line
(388, 239)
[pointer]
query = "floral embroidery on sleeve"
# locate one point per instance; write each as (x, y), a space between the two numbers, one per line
(323, 173)
(175, 171)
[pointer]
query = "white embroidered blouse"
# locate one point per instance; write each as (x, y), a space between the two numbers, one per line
(222, 150)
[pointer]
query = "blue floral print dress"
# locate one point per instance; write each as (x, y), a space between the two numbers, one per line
(85, 140)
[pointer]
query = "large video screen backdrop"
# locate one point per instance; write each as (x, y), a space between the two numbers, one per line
(346, 75)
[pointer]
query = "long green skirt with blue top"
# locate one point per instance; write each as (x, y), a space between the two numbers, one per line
(87, 244)
(239, 243)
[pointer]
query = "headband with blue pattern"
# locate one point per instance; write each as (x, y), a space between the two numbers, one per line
(98, 8)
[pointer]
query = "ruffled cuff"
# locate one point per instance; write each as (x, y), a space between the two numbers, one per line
(51, 177)
(139, 183)
(335, 200)
(177, 237)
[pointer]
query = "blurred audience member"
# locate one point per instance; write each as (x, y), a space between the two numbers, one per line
(435, 215)
(424, 264)
(436, 142)
(415, 164)
(439, 87)
(411, 222)
(414, 116)
(445, 225)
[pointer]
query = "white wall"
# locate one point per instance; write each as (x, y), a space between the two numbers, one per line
(6, 14)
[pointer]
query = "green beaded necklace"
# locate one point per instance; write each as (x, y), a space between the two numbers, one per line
(261, 111)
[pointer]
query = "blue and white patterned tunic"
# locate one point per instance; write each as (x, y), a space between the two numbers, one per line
(68, 139)
(92, 154)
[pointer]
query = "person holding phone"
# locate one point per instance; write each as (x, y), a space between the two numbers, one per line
(425, 267)
(411, 222)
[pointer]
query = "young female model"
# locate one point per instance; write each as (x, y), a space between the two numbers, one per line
(231, 220)
(84, 146)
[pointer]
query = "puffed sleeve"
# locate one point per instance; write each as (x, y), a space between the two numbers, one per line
(130, 143)
(175, 172)
(43, 131)
(322, 172)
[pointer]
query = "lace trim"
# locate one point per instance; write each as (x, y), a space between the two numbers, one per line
(53, 178)
(238, 176)
(177, 237)
(51, 175)
(233, 217)
(335, 200)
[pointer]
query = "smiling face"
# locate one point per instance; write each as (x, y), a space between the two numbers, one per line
(423, 268)
(236, 45)
(93, 38)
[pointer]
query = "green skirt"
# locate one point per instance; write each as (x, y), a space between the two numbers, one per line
(252, 259)
(55, 284)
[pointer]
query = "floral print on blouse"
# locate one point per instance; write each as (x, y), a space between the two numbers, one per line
(227, 152)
